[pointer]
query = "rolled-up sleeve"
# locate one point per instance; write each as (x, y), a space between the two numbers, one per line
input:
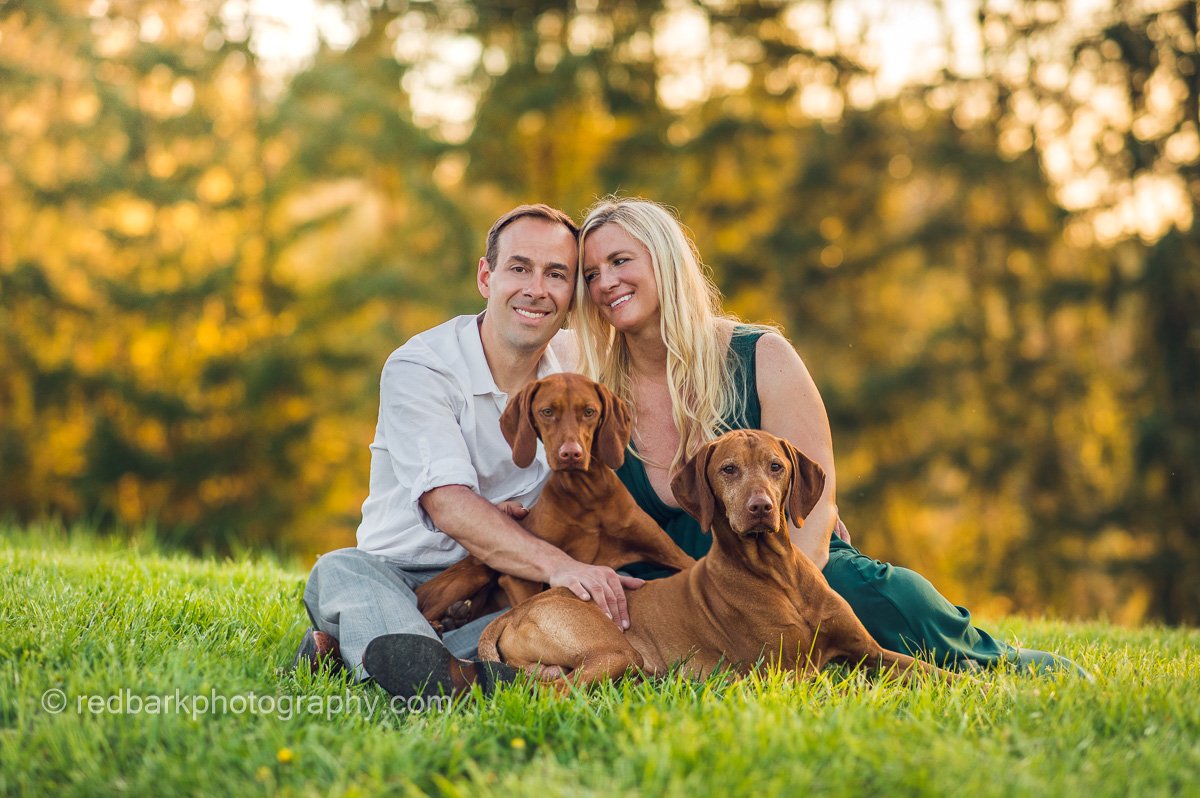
(420, 413)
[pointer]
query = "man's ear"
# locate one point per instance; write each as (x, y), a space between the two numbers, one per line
(483, 278)
(808, 483)
(612, 435)
(692, 489)
(516, 424)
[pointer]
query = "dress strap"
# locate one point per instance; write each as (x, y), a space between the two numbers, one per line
(743, 355)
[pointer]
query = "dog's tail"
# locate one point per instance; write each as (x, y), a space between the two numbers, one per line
(904, 667)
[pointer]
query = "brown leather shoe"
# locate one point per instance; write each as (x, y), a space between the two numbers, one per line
(318, 650)
(407, 665)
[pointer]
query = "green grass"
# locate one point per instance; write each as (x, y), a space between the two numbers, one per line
(92, 617)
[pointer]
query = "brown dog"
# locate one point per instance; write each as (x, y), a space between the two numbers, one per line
(754, 597)
(584, 508)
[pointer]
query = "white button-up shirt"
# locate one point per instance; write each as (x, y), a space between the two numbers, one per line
(439, 424)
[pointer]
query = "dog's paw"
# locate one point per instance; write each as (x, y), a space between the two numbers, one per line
(458, 614)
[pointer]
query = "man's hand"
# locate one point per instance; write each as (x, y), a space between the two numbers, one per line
(505, 546)
(599, 584)
(514, 510)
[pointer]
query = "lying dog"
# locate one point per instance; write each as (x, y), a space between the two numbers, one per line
(754, 598)
(584, 508)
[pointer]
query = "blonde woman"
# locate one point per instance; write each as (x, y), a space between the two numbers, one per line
(649, 326)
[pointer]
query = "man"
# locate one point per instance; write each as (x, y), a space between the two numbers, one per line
(442, 478)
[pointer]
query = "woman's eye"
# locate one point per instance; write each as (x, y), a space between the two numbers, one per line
(589, 276)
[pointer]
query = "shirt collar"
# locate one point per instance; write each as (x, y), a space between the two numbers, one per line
(482, 381)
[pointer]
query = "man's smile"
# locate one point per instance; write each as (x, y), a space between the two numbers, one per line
(532, 314)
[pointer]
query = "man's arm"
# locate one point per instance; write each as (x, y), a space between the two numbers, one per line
(419, 413)
(494, 537)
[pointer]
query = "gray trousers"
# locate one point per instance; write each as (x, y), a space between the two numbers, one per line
(356, 597)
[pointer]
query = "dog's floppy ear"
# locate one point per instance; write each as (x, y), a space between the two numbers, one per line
(808, 483)
(692, 489)
(516, 424)
(612, 436)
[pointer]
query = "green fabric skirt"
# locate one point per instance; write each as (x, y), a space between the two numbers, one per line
(904, 612)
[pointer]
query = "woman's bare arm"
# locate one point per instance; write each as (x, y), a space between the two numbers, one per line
(792, 409)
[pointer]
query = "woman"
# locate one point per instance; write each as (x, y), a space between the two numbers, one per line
(650, 327)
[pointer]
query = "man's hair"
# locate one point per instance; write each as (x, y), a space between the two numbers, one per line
(537, 210)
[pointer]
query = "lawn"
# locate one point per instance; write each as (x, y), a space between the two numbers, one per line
(128, 670)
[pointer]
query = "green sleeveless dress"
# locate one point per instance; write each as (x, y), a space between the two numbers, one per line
(682, 528)
(900, 608)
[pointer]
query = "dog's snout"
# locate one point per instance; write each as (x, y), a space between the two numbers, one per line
(571, 452)
(760, 505)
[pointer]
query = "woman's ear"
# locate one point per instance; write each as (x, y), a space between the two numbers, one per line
(516, 424)
(808, 483)
(612, 435)
(692, 489)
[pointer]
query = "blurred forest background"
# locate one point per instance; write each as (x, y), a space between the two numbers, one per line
(990, 264)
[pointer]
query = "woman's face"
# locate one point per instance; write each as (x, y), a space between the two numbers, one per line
(619, 277)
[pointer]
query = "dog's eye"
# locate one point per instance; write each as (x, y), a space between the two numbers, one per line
(547, 411)
(588, 412)
(776, 466)
(728, 469)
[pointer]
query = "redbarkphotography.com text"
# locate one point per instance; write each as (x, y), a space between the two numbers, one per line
(127, 702)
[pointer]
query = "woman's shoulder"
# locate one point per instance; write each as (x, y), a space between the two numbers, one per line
(777, 359)
(565, 347)
(773, 346)
(726, 328)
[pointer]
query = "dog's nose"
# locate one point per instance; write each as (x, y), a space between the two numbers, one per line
(570, 452)
(760, 506)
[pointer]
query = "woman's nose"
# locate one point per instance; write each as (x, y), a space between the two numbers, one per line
(606, 278)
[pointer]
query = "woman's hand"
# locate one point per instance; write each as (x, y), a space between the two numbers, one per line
(841, 531)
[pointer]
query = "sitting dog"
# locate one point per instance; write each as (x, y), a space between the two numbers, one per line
(584, 509)
(754, 598)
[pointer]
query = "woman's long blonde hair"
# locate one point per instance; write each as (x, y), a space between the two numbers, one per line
(700, 377)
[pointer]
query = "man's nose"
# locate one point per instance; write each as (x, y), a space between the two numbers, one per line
(536, 286)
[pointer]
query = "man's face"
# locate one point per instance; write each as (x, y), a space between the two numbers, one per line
(530, 288)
